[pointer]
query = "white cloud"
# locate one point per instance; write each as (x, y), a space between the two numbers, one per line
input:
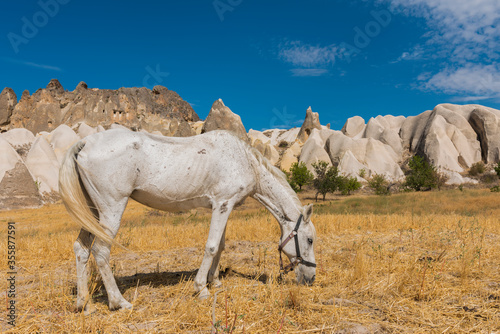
(308, 72)
(32, 64)
(416, 53)
(471, 82)
(305, 55)
(308, 60)
(462, 36)
(468, 99)
(466, 28)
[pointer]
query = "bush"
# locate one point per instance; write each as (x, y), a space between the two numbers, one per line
(346, 185)
(379, 184)
(362, 173)
(440, 179)
(299, 176)
(495, 189)
(283, 144)
(476, 169)
(422, 175)
(488, 178)
(497, 169)
(326, 178)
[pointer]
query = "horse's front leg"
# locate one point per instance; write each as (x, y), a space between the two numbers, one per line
(220, 215)
(213, 273)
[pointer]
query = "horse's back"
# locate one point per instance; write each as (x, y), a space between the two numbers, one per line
(165, 172)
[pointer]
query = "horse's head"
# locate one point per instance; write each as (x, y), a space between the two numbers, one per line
(298, 245)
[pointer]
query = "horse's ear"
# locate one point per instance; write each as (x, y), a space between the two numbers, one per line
(307, 212)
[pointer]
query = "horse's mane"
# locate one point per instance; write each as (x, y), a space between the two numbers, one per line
(277, 173)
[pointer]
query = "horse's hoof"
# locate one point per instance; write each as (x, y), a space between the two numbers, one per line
(123, 305)
(204, 294)
(89, 309)
(216, 283)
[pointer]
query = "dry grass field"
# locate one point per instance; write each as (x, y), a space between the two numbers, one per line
(407, 263)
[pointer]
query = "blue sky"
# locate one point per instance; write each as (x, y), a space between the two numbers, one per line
(268, 60)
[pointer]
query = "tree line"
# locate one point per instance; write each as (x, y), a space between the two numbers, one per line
(419, 176)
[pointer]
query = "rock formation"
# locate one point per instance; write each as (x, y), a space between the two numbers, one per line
(8, 100)
(451, 137)
(352, 155)
(17, 188)
(43, 165)
(221, 117)
(279, 136)
(353, 126)
(486, 123)
(310, 122)
(135, 108)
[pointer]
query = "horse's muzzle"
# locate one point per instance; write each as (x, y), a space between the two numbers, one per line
(306, 280)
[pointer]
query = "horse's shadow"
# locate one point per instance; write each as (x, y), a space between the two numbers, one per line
(166, 278)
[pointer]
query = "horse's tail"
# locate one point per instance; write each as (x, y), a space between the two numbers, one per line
(75, 196)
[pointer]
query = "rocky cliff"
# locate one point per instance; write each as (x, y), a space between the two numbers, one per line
(159, 109)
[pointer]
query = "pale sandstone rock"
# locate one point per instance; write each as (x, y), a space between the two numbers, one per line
(43, 165)
(310, 122)
(222, 118)
(18, 137)
(61, 139)
(353, 126)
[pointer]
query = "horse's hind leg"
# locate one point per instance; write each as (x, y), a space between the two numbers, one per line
(82, 253)
(213, 273)
(111, 219)
(101, 252)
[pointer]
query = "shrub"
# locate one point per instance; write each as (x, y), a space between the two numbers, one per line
(495, 189)
(488, 178)
(346, 185)
(476, 169)
(440, 179)
(299, 175)
(497, 169)
(362, 173)
(422, 175)
(326, 178)
(379, 184)
(283, 144)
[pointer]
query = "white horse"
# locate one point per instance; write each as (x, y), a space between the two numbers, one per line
(214, 170)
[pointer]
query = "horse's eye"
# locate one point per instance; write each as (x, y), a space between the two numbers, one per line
(310, 241)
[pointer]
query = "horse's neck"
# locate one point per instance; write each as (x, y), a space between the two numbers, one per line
(275, 197)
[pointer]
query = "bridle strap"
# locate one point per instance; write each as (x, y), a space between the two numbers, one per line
(298, 258)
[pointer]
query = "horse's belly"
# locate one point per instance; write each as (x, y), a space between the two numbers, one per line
(170, 204)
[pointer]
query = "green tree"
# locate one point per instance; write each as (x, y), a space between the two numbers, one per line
(326, 178)
(422, 175)
(292, 184)
(300, 175)
(346, 185)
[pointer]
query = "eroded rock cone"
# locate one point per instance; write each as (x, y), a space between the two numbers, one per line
(222, 118)
(310, 122)
(17, 187)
